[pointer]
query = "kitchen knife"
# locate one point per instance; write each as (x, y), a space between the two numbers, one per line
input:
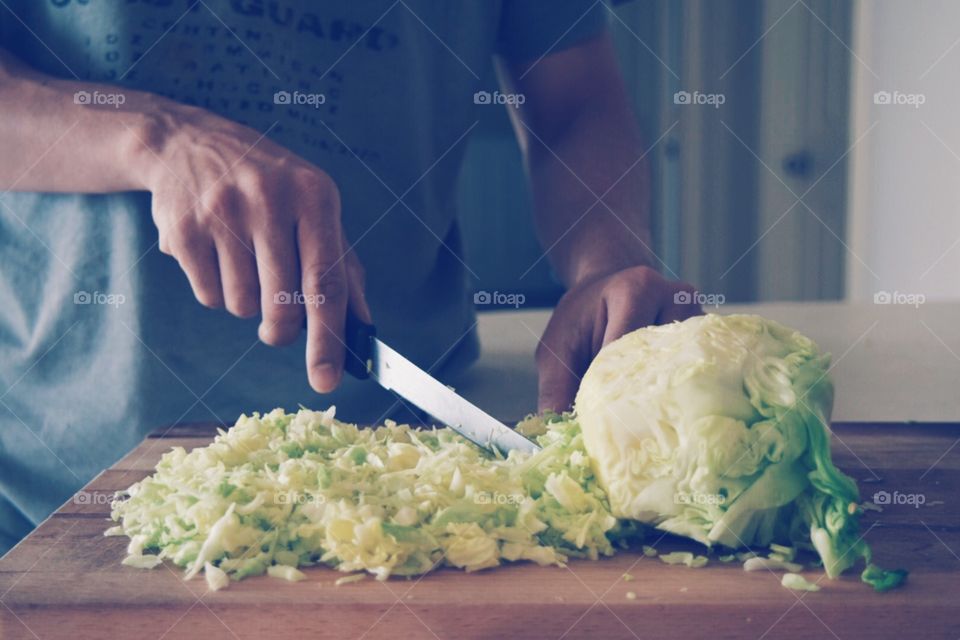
(367, 356)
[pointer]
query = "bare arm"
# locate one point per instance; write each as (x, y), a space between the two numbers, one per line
(590, 183)
(246, 219)
(60, 145)
(584, 156)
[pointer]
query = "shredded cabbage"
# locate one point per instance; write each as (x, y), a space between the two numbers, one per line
(684, 558)
(797, 582)
(216, 578)
(279, 491)
(770, 564)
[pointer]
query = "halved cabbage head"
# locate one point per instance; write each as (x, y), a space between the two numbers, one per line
(715, 428)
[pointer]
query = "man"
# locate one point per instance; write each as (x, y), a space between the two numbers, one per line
(271, 149)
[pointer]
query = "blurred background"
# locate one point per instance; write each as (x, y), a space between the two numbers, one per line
(801, 150)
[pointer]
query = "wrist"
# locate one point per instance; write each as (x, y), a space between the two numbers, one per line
(147, 134)
(600, 259)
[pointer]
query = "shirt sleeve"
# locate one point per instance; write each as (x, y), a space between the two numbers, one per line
(533, 28)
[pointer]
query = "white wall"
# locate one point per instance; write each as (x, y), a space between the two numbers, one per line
(904, 230)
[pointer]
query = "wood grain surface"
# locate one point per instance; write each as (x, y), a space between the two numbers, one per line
(65, 580)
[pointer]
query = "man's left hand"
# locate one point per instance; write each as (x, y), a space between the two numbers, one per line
(598, 311)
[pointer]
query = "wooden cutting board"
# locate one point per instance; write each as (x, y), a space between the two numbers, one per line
(65, 580)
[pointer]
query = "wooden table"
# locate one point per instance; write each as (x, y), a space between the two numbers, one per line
(65, 580)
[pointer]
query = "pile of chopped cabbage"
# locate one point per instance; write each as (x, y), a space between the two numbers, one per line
(280, 491)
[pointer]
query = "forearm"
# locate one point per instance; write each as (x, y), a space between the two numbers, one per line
(591, 193)
(54, 142)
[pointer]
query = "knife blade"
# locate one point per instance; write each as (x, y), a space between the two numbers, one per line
(369, 357)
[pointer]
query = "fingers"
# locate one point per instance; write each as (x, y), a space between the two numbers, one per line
(558, 381)
(595, 314)
(560, 365)
(324, 281)
(631, 302)
(198, 260)
(193, 250)
(203, 272)
(238, 275)
(218, 262)
(279, 272)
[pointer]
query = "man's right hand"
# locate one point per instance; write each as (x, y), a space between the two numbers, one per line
(256, 229)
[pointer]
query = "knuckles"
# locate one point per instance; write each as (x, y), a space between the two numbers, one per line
(632, 283)
(218, 207)
(643, 276)
(316, 182)
(326, 279)
(257, 193)
(264, 198)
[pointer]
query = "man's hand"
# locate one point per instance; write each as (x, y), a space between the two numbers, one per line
(256, 229)
(595, 313)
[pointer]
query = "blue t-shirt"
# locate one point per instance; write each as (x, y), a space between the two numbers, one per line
(101, 339)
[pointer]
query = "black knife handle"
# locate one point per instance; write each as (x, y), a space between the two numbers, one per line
(357, 336)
